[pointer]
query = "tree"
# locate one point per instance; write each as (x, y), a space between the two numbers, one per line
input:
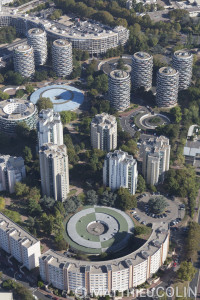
(108, 198)
(91, 197)
(141, 185)
(29, 89)
(186, 271)
(2, 203)
(13, 215)
(1, 78)
(19, 93)
(47, 204)
(176, 114)
(121, 65)
(157, 205)
(34, 194)
(3, 96)
(21, 189)
(33, 208)
(125, 200)
(12, 77)
(22, 130)
(27, 154)
(44, 103)
(68, 116)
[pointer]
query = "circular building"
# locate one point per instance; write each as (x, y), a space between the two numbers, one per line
(142, 70)
(99, 229)
(14, 111)
(63, 97)
(62, 57)
(182, 62)
(24, 60)
(38, 40)
(119, 86)
(167, 87)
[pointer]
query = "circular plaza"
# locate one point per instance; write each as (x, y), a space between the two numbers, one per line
(63, 97)
(99, 229)
(151, 121)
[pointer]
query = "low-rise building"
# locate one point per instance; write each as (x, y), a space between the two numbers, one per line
(19, 243)
(12, 170)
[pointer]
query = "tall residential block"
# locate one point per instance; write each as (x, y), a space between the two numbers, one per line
(120, 170)
(119, 86)
(50, 129)
(19, 243)
(142, 70)
(62, 58)
(104, 132)
(156, 158)
(37, 39)
(167, 87)
(182, 62)
(24, 60)
(54, 171)
(12, 170)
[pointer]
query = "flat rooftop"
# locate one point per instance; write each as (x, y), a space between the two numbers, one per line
(36, 31)
(183, 54)
(23, 48)
(61, 43)
(168, 71)
(16, 109)
(119, 74)
(142, 55)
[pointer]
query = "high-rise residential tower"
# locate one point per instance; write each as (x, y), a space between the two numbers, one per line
(12, 170)
(119, 87)
(104, 132)
(120, 170)
(54, 171)
(156, 157)
(182, 62)
(142, 70)
(167, 87)
(50, 129)
(62, 57)
(37, 39)
(24, 60)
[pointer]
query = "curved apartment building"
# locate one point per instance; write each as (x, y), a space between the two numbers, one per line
(90, 36)
(119, 87)
(142, 70)
(104, 277)
(182, 62)
(24, 60)
(14, 111)
(38, 40)
(167, 87)
(62, 58)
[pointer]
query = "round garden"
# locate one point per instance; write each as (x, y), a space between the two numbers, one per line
(99, 229)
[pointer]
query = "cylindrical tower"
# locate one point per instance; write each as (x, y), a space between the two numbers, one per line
(119, 85)
(62, 57)
(167, 87)
(24, 60)
(142, 69)
(182, 61)
(38, 40)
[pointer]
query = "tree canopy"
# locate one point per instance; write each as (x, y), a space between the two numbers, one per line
(44, 103)
(157, 205)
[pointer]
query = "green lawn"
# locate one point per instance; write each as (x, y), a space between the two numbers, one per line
(81, 227)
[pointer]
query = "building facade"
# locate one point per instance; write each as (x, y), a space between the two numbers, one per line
(120, 170)
(156, 158)
(16, 111)
(12, 170)
(24, 61)
(142, 70)
(104, 132)
(54, 171)
(19, 243)
(119, 87)
(167, 87)
(62, 58)
(182, 62)
(49, 126)
(104, 277)
(93, 37)
(37, 39)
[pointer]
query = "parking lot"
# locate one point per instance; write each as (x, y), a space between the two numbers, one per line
(173, 214)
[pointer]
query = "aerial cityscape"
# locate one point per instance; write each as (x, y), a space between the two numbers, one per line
(99, 149)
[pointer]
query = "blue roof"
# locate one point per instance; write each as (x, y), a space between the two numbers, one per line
(63, 97)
